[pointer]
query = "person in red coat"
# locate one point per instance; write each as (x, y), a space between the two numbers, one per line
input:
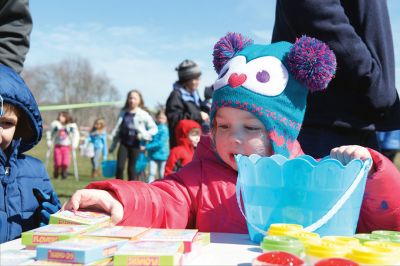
(187, 134)
(258, 107)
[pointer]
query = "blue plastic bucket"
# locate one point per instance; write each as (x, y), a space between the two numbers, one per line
(109, 168)
(324, 197)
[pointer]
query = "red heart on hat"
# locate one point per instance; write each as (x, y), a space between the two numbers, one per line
(236, 80)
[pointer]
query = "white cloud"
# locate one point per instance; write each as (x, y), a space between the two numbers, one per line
(132, 57)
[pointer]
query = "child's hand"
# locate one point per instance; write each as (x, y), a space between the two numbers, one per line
(345, 154)
(48, 205)
(99, 200)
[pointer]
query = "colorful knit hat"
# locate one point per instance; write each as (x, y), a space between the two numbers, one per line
(271, 81)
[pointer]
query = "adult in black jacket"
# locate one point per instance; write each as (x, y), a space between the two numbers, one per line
(184, 102)
(15, 29)
(362, 97)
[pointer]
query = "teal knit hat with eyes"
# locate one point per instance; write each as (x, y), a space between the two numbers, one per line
(271, 81)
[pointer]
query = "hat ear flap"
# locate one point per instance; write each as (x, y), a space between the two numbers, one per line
(312, 63)
(227, 47)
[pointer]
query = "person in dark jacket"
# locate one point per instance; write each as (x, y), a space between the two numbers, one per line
(362, 98)
(184, 102)
(15, 30)
(27, 197)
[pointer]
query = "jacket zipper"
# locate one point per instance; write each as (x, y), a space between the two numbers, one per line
(6, 173)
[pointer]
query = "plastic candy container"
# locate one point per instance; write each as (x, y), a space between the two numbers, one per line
(383, 244)
(336, 262)
(374, 256)
(304, 236)
(367, 237)
(283, 243)
(283, 229)
(392, 236)
(345, 241)
(317, 251)
(277, 258)
(300, 191)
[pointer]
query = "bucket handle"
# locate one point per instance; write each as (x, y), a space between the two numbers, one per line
(324, 219)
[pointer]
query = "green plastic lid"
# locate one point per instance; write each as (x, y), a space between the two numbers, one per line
(387, 235)
(367, 237)
(283, 243)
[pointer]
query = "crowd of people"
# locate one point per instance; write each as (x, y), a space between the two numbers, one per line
(257, 105)
(167, 137)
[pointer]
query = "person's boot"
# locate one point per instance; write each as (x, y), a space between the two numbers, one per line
(95, 173)
(55, 173)
(64, 173)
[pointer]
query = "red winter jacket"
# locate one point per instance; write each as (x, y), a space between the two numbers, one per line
(183, 153)
(202, 195)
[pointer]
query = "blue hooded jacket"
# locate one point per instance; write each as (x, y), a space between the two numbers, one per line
(20, 173)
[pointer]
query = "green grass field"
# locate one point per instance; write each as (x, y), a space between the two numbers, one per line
(65, 188)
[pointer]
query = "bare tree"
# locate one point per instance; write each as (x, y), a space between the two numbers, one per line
(72, 81)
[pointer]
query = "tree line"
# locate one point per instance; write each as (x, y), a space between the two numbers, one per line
(73, 81)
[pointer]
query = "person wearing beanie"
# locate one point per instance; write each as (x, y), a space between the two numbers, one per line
(258, 106)
(184, 101)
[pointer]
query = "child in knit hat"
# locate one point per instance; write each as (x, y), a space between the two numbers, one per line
(258, 106)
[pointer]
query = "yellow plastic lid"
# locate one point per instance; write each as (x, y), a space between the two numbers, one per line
(346, 241)
(304, 236)
(325, 249)
(280, 229)
(384, 244)
(374, 255)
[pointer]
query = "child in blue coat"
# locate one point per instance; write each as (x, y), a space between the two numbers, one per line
(158, 148)
(27, 197)
(98, 139)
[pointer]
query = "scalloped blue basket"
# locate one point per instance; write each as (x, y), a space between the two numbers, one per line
(324, 196)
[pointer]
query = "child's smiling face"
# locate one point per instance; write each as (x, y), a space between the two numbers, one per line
(239, 132)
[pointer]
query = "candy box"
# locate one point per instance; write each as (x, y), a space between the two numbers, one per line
(101, 262)
(95, 219)
(51, 233)
(149, 253)
(16, 256)
(81, 249)
(128, 232)
(183, 235)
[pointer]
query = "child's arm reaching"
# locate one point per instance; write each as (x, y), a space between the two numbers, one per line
(96, 199)
(164, 204)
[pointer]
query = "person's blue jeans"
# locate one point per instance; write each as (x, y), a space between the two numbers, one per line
(155, 165)
(96, 159)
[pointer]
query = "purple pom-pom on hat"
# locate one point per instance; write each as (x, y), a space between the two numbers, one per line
(312, 63)
(227, 47)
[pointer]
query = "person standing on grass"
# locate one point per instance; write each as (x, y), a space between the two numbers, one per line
(97, 140)
(64, 137)
(134, 126)
(158, 148)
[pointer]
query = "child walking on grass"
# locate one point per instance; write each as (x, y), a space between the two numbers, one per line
(98, 140)
(258, 107)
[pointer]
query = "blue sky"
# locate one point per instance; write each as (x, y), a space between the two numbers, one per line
(137, 44)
